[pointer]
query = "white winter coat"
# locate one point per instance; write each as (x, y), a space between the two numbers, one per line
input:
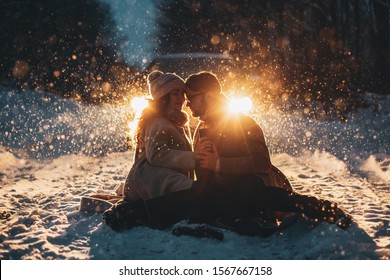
(164, 164)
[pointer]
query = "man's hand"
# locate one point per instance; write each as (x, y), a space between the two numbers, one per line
(207, 155)
(204, 145)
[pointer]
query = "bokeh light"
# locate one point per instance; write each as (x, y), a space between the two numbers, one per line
(243, 105)
(138, 104)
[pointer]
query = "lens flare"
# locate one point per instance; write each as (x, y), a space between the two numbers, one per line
(138, 104)
(243, 105)
(132, 126)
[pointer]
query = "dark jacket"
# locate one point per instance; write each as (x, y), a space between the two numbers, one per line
(242, 150)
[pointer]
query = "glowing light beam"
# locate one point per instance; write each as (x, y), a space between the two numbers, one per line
(243, 105)
(138, 104)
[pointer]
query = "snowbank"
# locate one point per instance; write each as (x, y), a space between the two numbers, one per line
(41, 125)
(43, 176)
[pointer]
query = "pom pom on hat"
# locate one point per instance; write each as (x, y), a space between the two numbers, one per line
(154, 75)
(160, 84)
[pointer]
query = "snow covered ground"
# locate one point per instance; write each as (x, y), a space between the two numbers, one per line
(54, 151)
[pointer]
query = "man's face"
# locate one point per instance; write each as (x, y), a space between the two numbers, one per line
(196, 105)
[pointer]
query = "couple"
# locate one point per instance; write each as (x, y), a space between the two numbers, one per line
(226, 173)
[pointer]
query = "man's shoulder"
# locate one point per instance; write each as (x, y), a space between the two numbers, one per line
(243, 120)
(241, 125)
(249, 120)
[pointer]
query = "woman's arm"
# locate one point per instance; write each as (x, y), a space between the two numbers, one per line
(166, 147)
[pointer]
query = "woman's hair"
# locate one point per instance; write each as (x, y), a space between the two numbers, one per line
(156, 108)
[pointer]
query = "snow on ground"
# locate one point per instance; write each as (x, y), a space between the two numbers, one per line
(54, 152)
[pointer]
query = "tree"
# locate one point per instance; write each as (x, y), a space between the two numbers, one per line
(322, 50)
(64, 47)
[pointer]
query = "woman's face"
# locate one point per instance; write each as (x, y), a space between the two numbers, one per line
(176, 100)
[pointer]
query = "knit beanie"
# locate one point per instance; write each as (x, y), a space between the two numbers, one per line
(202, 82)
(160, 84)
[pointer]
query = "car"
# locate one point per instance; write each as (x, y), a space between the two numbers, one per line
(184, 64)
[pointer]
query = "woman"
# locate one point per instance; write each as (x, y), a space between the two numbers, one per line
(164, 162)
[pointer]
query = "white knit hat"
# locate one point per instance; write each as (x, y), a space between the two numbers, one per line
(160, 84)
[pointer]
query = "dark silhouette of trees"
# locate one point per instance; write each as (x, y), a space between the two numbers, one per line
(316, 50)
(64, 47)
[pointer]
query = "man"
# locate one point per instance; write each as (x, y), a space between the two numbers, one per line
(235, 158)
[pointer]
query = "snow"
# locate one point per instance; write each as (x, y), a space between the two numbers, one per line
(54, 151)
(135, 19)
